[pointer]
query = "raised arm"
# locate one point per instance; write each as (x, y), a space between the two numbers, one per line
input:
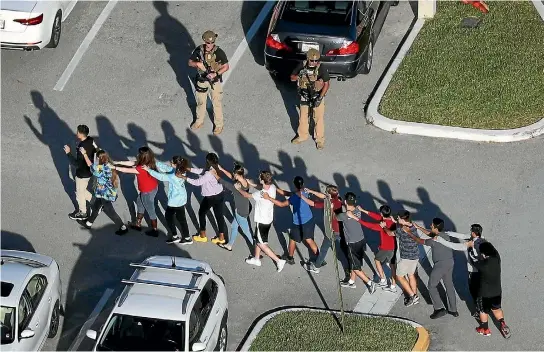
(276, 202)
(457, 235)
(228, 174)
(454, 246)
(422, 229)
(87, 160)
(316, 193)
(369, 225)
(283, 192)
(125, 163)
(127, 170)
(159, 176)
(196, 170)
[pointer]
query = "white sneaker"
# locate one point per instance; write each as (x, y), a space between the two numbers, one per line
(281, 264)
(391, 289)
(382, 283)
(253, 261)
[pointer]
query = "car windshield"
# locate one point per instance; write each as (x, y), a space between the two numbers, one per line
(330, 13)
(8, 324)
(129, 333)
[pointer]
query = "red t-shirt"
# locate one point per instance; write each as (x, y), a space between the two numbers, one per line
(336, 204)
(146, 182)
(387, 243)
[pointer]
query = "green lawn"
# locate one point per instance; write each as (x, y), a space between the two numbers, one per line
(491, 77)
(318, 331)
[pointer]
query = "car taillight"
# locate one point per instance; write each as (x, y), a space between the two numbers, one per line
(349, 48)
(31, 21)
(273, 41)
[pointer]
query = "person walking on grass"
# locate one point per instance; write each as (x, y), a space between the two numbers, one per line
(303, 223)
(177, 200)
(83, 171)
(147, 186)
(107, 183)
(387, 250)
(263, 217)
(356, 243)
(212, 191)
(242, 204)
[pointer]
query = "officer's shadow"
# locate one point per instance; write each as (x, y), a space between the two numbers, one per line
(289, 94)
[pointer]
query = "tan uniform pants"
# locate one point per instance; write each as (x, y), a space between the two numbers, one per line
(217, 98)
(304, 126)
(82, 194)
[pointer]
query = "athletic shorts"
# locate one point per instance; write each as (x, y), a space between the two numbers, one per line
(261, 233)
(356, 254)
(486, 304)
(407, 267)
(384, 256)
(302, 232)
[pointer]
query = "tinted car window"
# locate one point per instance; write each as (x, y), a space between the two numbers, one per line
(329, 13)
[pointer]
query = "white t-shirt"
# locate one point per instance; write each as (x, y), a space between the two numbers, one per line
(264, 209)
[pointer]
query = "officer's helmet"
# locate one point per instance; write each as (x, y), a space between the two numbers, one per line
(209, 37)
(313, 55)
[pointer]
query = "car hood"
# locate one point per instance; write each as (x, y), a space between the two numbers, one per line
(18, 5)
(310, 29)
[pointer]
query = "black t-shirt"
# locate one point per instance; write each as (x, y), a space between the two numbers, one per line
(220, 56)
(490, 277)
(82, 170)
(322, 72)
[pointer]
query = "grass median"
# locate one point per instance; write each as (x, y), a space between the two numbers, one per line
(319, 331)
(489, 77)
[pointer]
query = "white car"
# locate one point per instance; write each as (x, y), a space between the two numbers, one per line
(32, 25)
(31, 296)
(169, 304)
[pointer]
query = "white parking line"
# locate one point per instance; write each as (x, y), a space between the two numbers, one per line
(84, 45)
(82, 332)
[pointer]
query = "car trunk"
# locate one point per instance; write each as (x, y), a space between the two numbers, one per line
(13, 10)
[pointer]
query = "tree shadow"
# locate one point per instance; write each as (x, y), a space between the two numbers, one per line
(55, 133)
(102, 263)
(179, 45)
(14, 241)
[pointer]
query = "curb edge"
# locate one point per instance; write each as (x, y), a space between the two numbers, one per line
(428, 130)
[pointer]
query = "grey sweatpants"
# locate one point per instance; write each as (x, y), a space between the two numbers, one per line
(442, 271)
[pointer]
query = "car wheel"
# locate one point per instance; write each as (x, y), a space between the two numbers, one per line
(56, 31)
(369, 55)
(223, 336)
(55, 321)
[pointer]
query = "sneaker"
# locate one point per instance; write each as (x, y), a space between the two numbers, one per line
(216, 240)
(123, 230)
(186, 240)
(288, 259)
(438, 314)
(482, 331)
(197, 238)
(77, 215)
(390, 289)
(416, 298)
(346, 283)
(152, 233)
(309, 266)
(255, 261)
(505, 330)
(175, 239)
(382, 283)
(372, 287)
(84, 224)
(281, 264)
(409, 301)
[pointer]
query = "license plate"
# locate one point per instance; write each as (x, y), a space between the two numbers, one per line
(2, 24)
(307, 46)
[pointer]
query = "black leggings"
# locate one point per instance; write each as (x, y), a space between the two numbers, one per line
(173, 213)
(107, 206)
(215, 202)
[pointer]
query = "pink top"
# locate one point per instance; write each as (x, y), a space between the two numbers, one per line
(208, 182)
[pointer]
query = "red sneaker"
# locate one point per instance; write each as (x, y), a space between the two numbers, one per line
(482, 331)
(505, 330)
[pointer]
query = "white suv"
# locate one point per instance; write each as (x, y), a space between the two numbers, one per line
(31, 296)
(169, 304)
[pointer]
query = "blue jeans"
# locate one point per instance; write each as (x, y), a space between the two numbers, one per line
(146, 202)
(243, 223)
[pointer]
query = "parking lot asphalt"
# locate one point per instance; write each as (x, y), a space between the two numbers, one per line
(132, 88)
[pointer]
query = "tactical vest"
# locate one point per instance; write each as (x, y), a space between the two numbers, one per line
(309, 75)
(208, 59)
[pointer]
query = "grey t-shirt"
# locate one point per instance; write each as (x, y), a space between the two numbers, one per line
(409, 248)
(352, 228)
(440, 252)
(242, 204)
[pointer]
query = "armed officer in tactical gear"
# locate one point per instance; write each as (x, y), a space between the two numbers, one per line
(313, 83)
(211, 63)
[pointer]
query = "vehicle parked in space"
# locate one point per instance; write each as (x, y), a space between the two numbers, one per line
(31, 300)
(169, 304)
(32, 25)
(344, 32)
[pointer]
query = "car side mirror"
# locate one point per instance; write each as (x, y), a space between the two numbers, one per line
(198, 346)
(91, 334)
(25, 334)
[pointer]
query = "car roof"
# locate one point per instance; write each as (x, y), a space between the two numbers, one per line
(157, 290)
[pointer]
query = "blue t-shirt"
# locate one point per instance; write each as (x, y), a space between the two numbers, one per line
(301, 210)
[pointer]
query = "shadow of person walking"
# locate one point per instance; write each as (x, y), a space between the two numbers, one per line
(55, 134)
(179, 44)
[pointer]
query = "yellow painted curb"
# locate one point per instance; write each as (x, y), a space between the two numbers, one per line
(423, 340)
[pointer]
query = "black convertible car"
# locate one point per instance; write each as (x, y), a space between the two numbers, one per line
(344, 32)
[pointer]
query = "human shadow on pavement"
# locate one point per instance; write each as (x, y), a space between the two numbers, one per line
(102, 263)
(250, 11)
(55, 133)
(179, 44)
(289, 95)
(15, 241)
